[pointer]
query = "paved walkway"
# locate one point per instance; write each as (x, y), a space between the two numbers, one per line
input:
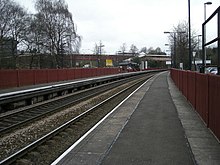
(148, 128)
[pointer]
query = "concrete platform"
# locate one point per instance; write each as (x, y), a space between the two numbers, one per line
(155, 125)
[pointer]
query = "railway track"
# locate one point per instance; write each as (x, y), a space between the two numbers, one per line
(59, 139)
(16, 119)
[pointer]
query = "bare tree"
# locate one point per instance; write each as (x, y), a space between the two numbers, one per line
(133, 49)
(157, 51)
(96, 49)
(123, 48)
(50, 31)
(58, 28)
(5, 13)
(12, 26)
(34, 41)
(179, 44)
(144, 50)
(18, 28)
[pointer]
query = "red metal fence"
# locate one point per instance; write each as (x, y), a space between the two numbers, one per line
(214, 104)
(17, 78)
(203, 92)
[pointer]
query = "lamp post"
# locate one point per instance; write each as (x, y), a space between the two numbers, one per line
(100, 52)
(171, 61)
(194, 53)
(207, 3)
(198, 43)
(173, 58)
(194, 60)
(190, 49)
(100, 47)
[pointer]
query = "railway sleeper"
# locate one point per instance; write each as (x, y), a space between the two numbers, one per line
(23, 162)
(42, 148)
(33, 156)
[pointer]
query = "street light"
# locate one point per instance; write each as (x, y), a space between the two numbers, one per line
(173, 59)
(207, 3)
(100, 52)
(198, 43)
(194, 60)
(194, 53)
(170, 51)
(190, 49)
(100, 47)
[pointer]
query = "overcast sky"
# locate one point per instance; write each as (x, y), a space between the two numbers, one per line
(138, 22)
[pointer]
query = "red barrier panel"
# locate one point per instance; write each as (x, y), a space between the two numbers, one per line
(99, 72)
(102, 71)
(214, 104)
(112, 70)
(17, 78)
(202, 96)
(109, 70)
(9, 78)
(88, 72)
(185, 83)
(70, 74)
(41, 76)
(172, 74)
(52, 75)
(84, 72)
(62, 74)
(181, 81)
(26, 77)
(176, 77)
(203, 91)
(93, 70)
(78, 74)
(105, 71)
(191, 88)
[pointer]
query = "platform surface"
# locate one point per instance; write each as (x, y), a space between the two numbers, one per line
(156, 125)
